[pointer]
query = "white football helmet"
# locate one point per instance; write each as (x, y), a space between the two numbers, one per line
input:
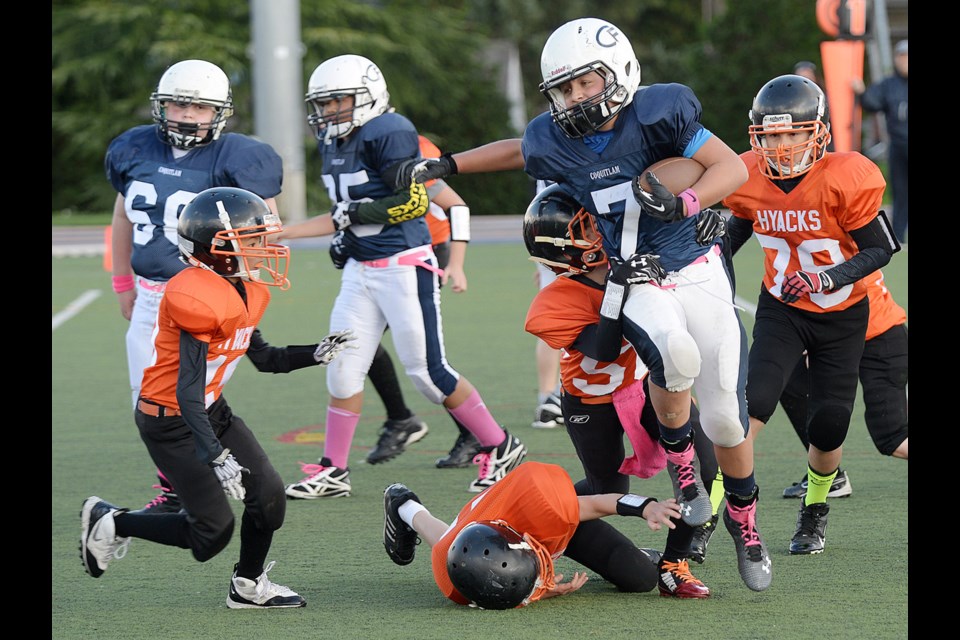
(579, 47)
(192, 82)
(344, 76)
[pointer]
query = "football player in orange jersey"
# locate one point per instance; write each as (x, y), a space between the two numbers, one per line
(817, 216)
(498, 552)
(883, 375)
(604, 383)
(207, 322)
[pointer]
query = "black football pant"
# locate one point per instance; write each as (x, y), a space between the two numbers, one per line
(883, 378)
(208, 523)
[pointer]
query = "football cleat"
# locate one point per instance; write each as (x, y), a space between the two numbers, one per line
(701, 537)
(399, 538)
(395, 435)
(261, 593)
(688, 488)
(99, 543)
(839, 488)
(496, 463)
(811, 530)
(548, 414)
(676, 581)
(753, 561)
(323, 481)
(462, 453)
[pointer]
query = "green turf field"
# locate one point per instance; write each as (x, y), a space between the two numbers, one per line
(331, 552)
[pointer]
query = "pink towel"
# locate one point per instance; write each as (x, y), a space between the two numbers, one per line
(648, 457)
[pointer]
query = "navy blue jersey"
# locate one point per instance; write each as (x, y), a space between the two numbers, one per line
(156, 187)
(352, 169)
(662, 121)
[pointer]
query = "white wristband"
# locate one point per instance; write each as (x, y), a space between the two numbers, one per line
(612, 301)
(459, 215)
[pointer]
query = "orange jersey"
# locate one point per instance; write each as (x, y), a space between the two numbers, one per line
(436, 217)
(210, 308)
(809, 228)
(535, 498)
(884, 311)
(557, 315)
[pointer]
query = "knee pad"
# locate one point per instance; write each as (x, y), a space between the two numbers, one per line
(764, 386)
(681, 361)
(343, 382)
(205, 547)
(722, 430)
(828, 427)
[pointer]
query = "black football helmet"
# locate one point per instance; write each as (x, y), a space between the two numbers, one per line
(789, 103)
(492, 565)
(560, 233)
(216, 229)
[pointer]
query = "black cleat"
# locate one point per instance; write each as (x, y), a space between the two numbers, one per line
(811, 529)
(399, 539)
(461, 455)
(395, 435)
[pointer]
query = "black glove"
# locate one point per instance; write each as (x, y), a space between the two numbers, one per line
(434, 168)
(658, 203)
(710, 226)
(338, 252)
(637, 269)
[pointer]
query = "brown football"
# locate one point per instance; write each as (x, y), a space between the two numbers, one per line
(675, 174)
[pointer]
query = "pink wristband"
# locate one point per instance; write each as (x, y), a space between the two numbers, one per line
(122, 283)
(689, 196)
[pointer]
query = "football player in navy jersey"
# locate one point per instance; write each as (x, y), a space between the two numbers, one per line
(600, 135)
(391, 274)
(157, 169)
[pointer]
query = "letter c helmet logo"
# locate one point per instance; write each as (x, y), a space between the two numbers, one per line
(607, 36)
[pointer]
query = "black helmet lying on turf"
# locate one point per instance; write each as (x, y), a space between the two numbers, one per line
(492, 565)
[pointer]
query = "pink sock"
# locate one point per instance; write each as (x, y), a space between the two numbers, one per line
(474, 415)
(341, 425)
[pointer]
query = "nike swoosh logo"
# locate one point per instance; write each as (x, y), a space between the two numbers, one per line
(656, 207)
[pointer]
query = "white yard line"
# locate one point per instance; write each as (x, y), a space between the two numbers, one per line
(75, 307)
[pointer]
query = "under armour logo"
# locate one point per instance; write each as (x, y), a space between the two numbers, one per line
(766, 566)
(685, 509)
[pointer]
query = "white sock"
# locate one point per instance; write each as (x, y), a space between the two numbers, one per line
(408, 510)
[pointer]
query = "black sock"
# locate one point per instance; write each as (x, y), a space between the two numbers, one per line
(384, 379)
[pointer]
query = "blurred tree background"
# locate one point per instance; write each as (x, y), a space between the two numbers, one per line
(107, 56)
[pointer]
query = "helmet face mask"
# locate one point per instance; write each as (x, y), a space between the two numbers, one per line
(561, 234)
(336, 78)
(787, 106)
(192, 82)
(494, 566)
(583, 46)
(225, 229)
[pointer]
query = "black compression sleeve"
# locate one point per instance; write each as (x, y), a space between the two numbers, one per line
(191, 385)
(875, 249)
(739, 231)
(601, 341)
(268, 359)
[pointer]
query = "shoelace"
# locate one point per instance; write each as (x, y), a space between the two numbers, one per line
(311, 469)
(686, 476)
(482, 459)
(808, 523)
(160, 499)
(680, 570)
(746, 517)
(264, 584)
(121, 549)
